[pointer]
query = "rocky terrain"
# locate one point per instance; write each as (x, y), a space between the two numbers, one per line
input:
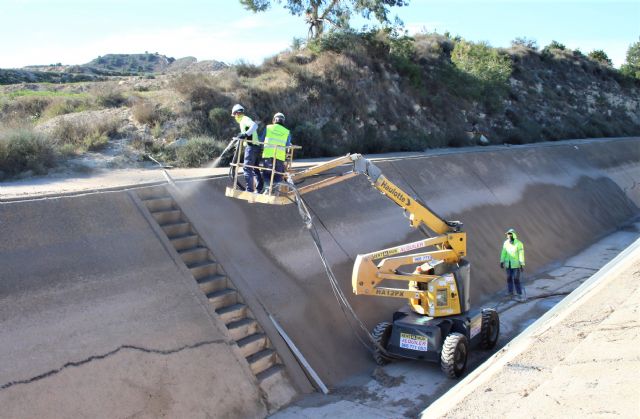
(348, 92)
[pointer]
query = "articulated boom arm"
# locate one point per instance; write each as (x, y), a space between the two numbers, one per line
(434, 295)
(419, 213)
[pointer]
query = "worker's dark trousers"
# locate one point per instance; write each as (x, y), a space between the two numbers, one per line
(279, 168)
(252, 155)
(513, 277)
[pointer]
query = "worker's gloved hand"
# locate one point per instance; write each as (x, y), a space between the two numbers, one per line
(521, 268)
(501, 265)
(242, 135)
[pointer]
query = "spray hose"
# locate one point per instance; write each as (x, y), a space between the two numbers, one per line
(347, 310)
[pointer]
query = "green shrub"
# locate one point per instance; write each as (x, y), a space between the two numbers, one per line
(408, 140)
(66, 150)
(402, 54)
(525, 42)
(555, 45)
(95, 140)
(482, 62)
(245, 69)
(336, 41)
(310, 138)
(479, 72)
(197, 151)
(349, 42)
(65, 105)
(630, 71)
(601, 57)
(219, 120)
(156, 131)
(23, 149)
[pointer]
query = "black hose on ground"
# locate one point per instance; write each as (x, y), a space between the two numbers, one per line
(346, 308)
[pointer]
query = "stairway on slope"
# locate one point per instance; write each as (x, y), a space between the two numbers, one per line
(223, 296)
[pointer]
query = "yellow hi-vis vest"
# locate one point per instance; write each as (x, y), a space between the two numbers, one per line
(245, 123)
(276, 135)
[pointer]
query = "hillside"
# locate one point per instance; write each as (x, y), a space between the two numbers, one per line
(349, 92)
(15, 76)
(375, 95)
(102, 67)
(132, 63)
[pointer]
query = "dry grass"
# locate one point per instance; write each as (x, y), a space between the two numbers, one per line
(145, 112)
(25, 108)
(274, 81)
(85, 133)
(108, 95)
(22, 149)
(63, 106)
(433, 46)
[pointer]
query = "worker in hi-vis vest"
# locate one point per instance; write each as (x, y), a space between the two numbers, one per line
(512, 259)
(253, 150)
(276, 138)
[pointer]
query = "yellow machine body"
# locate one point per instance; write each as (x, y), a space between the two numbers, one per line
(381, 273)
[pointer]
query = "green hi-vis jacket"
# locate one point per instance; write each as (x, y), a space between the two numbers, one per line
(512, 254)
(276, 135)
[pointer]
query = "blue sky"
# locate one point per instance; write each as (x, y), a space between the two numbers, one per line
(77, 31)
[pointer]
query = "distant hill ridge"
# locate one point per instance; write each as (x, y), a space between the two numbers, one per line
(108, 65)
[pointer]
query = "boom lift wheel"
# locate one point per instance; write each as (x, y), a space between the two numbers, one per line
(453, 359)
(381, 334)
(490, 328)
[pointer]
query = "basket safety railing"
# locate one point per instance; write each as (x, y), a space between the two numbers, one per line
(238, 164)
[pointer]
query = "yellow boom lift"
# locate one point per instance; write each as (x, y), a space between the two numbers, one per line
(438, 324)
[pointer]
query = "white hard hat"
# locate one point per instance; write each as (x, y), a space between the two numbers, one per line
(237, 108)
(278, 117)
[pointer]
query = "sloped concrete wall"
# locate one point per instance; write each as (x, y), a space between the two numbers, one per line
(97, 320)
(560, 197)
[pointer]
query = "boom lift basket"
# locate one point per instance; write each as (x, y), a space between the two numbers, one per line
(273, 194)
(281, 194)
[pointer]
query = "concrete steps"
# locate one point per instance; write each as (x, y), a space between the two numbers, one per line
(243, 329)
(232, 313)
(262, 360)
(212, 283)
(176, 229)
(252, 344)
(186, 241)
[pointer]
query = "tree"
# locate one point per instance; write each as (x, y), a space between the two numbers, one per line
(336, 13)
(632, 66)
(600, 56)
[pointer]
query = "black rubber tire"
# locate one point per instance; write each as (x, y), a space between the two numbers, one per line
(490, 331)
(453, 359)
(381, 334)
